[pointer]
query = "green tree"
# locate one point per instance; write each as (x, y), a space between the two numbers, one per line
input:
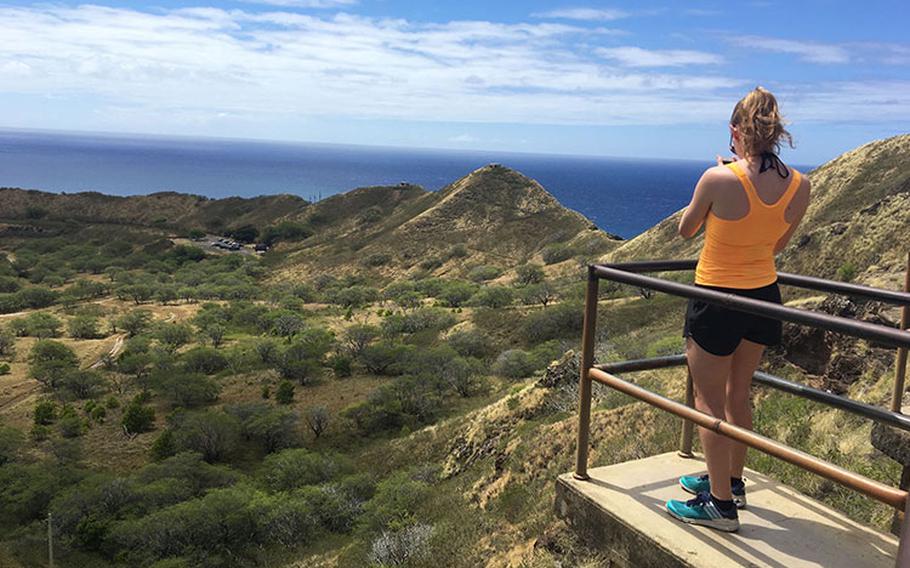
(173, 336)
(135, 322)
(285, 392)
(527, 274)
(215, 333)
(138, 418)
(50, 361)
(211, 433)
(7, 343)
(83, 327)
(493, 297)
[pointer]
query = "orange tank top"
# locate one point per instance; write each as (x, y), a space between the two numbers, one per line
(740, 253)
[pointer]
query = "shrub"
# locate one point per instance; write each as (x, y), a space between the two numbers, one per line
(138, 418)
(11, 441)
(188, 390)
(4, 368)
(378, 259)
(470, 343)
(418, 320)
(204, 360)
(401, 547)
(40, 325)
(555, 253)
(384, 358)
(407, 402)
(50, 361)
(7, 343)
(295, 468)
(212, 433)
(395, 503)
(847, 272)
(528, 274)
(458, 251)
(493, 297)
(358, 336)
(71, 425)
(317, 419)
(542, 293)
(484, 272)
(456, 292)
(45, 412)
(173, 336)
(285, 392)
(134, 322)
(82, 383)
(341, 366)
(561, 320)
(83, 327)
(514, 364)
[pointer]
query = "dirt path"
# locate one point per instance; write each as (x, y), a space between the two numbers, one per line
(16, 400)
(115, 350)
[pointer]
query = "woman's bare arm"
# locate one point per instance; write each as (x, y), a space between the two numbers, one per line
(803, 197)
(694, 215)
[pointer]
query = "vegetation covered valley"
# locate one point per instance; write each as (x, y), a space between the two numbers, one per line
(391, 384)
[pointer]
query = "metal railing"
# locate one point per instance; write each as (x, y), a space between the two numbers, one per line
(630, 273)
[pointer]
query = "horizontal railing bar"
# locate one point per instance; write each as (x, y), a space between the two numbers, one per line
(889, 336)
(798, 280)
(886, 494)
(860, 408)
(643, 364)
(872, 412)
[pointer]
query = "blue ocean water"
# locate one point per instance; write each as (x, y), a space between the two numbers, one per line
(622, 196)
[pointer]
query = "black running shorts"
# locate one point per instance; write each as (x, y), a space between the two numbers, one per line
(719, 330)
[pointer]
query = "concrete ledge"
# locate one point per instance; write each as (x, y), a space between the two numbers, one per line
(620, 509)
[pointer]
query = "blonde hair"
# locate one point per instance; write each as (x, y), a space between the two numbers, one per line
(759, 123)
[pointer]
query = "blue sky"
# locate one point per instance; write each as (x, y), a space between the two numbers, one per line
(618, 79)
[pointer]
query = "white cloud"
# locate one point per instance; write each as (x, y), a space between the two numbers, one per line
(585, 14)
(185, 70)
(631, 56)
(806, 50)
(464, 139)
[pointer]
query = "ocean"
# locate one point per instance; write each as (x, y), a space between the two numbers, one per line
(622, 196)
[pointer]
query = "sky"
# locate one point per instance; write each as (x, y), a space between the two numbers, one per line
(636, 79)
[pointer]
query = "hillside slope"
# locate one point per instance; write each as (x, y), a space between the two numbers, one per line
(163, 209)
(496, 214)
(860, 205)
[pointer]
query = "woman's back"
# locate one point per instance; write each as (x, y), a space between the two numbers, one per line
(750, 213)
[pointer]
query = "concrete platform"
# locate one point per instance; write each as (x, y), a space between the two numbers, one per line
(621, 510)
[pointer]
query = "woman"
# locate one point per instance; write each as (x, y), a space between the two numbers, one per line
(750, 208)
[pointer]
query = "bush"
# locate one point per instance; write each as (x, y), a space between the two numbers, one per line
(213, 434)
(83, 327)
(407, 402)
(292, 469)
(847, 272)
(285, 392)
(45, 412)
(11, 441)
(484, 272)
(204, 360)
(50, 362)
(471, 343)
(493, 297)
(559, 321)
(341, 366)
(38, 324)
(401, 547)
(71, 425)
(418, 320)
(456, 292)
(134, 322)
(138, 418)
(7, 343)
(395, 503)
(187, 390)
(317, 419)
(82, 383)
(528, 274)
(384, 358)
(173, 336)
(514, 364)
(555, 253)
(4, 369)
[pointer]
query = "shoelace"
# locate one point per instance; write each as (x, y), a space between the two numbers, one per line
(699, 500)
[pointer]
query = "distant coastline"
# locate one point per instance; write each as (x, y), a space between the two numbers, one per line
(619, 194)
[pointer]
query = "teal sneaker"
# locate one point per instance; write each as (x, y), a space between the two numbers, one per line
(703, 511)
(696, 484)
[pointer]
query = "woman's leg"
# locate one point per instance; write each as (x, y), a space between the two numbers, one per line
(738, 409)
(709, 375)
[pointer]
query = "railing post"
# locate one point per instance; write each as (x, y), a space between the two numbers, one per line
(903, 551)
(900, 363)
(584, 381)
(685, 437)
